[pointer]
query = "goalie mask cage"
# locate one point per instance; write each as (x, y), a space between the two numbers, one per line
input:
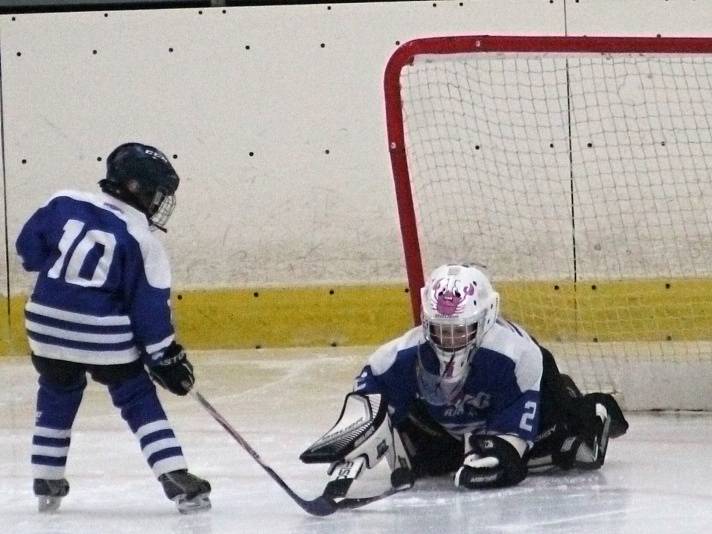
(578, 171)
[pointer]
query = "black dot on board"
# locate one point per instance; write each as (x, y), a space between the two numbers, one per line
(251, 154)
(98, 158)
(323, 45)
(331, 292)
(333, 344)
(594, 287)
(179, 297)
(556, 288)
(24, 161)
(175, 156)
(326, 151)
(256, 294)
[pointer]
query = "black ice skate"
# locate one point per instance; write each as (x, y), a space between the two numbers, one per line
(586, 450)
(592, 451)
(49, 493)
(190, 493)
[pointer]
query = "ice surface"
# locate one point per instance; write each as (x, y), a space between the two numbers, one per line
(657, 478)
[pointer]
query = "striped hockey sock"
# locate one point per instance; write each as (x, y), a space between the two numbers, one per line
(57, 407)
(142, 410)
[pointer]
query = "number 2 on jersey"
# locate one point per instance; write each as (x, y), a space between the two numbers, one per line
(528, 416)
(72, 230)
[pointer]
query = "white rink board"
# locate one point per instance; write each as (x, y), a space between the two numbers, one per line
(290, 213)
(642, 18)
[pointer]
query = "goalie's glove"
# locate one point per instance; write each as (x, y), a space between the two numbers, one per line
(171, 369)
(491, 462)
(360, 439)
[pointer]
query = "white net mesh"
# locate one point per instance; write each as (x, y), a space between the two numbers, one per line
(583, 182)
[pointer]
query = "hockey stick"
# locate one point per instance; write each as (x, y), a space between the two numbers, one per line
(322, 505)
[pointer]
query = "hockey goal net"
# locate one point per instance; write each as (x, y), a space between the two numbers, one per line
(579, 171)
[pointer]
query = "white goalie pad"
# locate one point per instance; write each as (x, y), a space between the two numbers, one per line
(362, 436)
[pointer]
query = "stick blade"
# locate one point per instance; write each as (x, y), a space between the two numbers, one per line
(321, 506)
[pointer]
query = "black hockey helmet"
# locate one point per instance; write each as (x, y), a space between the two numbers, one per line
(142, 176)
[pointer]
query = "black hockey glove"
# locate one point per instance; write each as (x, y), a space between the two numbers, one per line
(493, 462)
(172, 370)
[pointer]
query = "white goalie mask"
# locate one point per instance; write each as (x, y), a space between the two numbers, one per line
(458, 306)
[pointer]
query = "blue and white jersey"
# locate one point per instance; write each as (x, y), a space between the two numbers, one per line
(103, 288)
(500, 395)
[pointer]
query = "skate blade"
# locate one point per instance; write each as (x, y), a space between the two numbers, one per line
(199, 503)
(47, 504)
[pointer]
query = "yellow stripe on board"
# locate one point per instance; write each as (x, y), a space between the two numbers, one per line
(601, 311)
(649, 310)
(4, 328)
(288, 317)
(16, 342)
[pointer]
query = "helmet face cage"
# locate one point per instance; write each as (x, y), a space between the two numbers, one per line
(450, 337)
(142, 176)
(161, 208)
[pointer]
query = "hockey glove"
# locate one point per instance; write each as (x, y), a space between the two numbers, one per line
(492, 462)
(171, 369)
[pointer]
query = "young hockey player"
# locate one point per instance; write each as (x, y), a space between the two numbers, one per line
(100, 305)
(466, 392)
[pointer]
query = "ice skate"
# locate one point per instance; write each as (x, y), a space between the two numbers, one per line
(49, 493)
(190, 493)
(592, 452)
